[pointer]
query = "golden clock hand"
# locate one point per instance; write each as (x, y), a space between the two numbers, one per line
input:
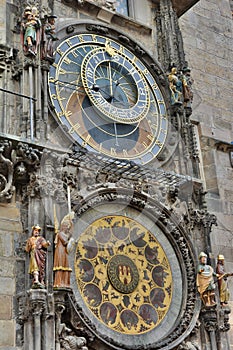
(110, 79)
(116, 136)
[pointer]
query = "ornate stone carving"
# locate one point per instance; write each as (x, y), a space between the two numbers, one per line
(50, 177)
(224, 319)
(209, 317)
(70, 341)
(108, 4)
(97, 28)
(6, 171)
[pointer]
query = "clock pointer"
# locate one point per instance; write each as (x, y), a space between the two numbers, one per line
(116, 136)
(110, 81)
(97, 88)
(110, 97)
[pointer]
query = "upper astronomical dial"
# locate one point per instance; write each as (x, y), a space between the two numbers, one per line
(115, 85)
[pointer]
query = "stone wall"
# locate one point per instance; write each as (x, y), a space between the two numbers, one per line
(208, 43)
(10, 228)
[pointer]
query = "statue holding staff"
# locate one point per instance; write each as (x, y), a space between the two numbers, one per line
(63, 244)
(224, 293)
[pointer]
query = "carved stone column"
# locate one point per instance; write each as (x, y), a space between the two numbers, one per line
(209, 317)
(170, 43)
(59, 299)
(38, 303)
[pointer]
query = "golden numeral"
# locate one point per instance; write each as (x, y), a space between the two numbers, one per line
(68, 114)
(134, 59)
(62, 71)
(113, 151)
(59, 51)
(86, 140)
(154, 126)
(125, 152)
(68, 43)
(81, 38)
(74, 54)
(67, 60)
(150, 137)
(74, 128)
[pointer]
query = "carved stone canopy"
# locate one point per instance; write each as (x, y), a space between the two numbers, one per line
(180, 6)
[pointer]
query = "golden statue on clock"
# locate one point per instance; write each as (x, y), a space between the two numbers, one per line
(129, 293)
(107, 98)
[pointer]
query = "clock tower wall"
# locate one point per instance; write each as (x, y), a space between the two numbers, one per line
(102, 135)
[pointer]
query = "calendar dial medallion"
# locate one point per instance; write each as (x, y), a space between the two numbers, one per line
(107, 98)
(123, 275)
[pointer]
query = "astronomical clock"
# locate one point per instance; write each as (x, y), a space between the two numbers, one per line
(101, 196)
(132, 263)
(108, 99)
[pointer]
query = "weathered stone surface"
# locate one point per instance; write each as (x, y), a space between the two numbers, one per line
(7, 337)
(6, 243)
(7, 285)
(7, 268)
(6, 307)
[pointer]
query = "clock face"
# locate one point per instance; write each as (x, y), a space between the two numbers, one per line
(123, 275)
(107, 98)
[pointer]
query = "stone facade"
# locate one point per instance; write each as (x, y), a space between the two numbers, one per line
(186, 191)
(208, 53)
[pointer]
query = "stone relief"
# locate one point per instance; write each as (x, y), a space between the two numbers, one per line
(69, 341)
(108, 4)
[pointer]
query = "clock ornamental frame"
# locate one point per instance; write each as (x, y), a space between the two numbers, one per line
(107, 94)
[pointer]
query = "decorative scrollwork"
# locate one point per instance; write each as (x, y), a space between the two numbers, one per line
(6, 172)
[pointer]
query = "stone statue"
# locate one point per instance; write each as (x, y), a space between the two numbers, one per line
(70, 342)
(63, 244)
(175, 85)
(222, 280)
(49, 36)
(30, 31)
(187, 82)
(36, 246)
(205, 281)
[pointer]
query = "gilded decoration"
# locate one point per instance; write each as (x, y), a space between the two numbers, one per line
(123, 275)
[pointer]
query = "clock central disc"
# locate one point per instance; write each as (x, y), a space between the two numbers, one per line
(124, 95)
(123, 274)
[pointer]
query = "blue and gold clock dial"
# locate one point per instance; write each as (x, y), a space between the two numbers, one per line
(115, 86)
(108, 99)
